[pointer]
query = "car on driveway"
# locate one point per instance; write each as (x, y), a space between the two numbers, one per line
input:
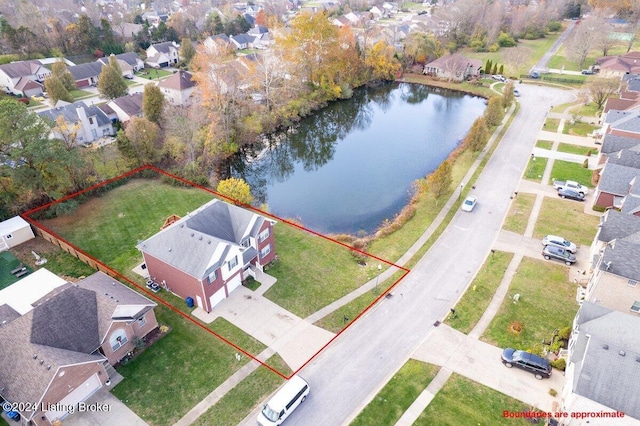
(516, 92)
(556, 241)
(570, 194)
(557, 253)
(540, 367)
(469, 203)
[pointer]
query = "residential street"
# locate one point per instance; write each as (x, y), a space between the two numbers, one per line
(364, 357)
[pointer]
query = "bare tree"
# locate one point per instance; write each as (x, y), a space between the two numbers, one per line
(600, 89)
(581, 43)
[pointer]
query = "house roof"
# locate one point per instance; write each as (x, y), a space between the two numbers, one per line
(620, 257)
(606, 358)
(164, 47)
(626, 157)
(616, 179)
(181, 80)
(614, 143)
(243, 38)
(457, 59)
(64, 327)
(26, 83)
(628, 121)
(21, 68)
(85, 71)
(630, 205)
(199, 242)
(258, 30)
(625, 63)
(131, 104)
(617, 226)
(70, 113)
(13, 224)
(619, 104)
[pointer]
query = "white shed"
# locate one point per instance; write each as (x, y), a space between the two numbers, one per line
(13, 232)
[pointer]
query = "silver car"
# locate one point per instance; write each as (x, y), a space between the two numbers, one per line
(556, 241)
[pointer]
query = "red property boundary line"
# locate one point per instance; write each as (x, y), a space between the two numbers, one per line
(117, 274)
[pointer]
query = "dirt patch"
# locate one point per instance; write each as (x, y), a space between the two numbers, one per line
(43, 248)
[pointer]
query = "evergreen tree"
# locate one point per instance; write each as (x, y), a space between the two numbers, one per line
(488, 67)
(59, 69)
(56, 90)
(187, 50)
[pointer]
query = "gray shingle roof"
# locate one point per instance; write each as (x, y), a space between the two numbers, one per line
(164, 47)
(628, 120)
(623, 256)
(617, 225)
(631, 205)
(615, 179)
(614, 143)
(131, 104)
(181, 80)
(85, 71)
(70, 113)
(130, 58)
(608, 376)
(21, 68)
(8, 314)
(626, 157)
(199, 242)
(243, 38)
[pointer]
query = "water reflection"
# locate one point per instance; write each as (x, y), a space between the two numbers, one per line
(351, 165)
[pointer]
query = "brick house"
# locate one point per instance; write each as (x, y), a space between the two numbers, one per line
(453, 67)
(208, 253)
(59, 339)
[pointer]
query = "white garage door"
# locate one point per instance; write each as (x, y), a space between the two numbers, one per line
(79, 394)
(217, 297)
(234, 283)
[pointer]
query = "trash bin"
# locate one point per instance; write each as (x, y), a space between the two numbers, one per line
(189, 301)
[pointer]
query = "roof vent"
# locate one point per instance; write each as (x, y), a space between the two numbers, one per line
(49, 367)
(622, 353)
(209, 242)
(35, 356)
(608, 265)
(605, 347)
(41, 361)
(192, 234)
(638, 359)
(169, 249)
(200, 239)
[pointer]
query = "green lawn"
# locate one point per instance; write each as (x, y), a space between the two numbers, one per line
(579, 128)
(175, 373)
(576, 149)
(77, 94)
(589, 110)
(8, 262)
(566, 218)
(547, 302)
(397, 395)
(535, 169)
(330, 271)
(475, 300)
(518, 216)
(153, 73)
(464, 402)
(544, 144)
(565, 170)
(236, 404)
(551, 124)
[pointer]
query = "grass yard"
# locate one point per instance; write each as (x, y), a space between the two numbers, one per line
(171, 376)
(565, 170)
(576, 149)
(236, 404)
(330, 271)
(153, 74)
(544, 144)
(566, 218)
(579, 128)
(519, 212)
(109, 226)
(397, 395)
(8, 262)
(464, 402)
(535, 168)
(589, 110)
(78, 94)
(475, 300)
(551, 124)
(547, 302)
(58, 261)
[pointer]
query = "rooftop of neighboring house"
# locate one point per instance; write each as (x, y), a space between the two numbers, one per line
(624, 120)
(607, 358)
(85, 71)
(199, 242)
(626, 157)
(614, 143)
(620, 257)
(70, 113)
(627, 63)
(631, 205)
(21, 68)
(459, 61)
(616, 179)
(165, 47)
(131, 104)
(243, 38)
(180, 80)
(616, 225)
(620, 104)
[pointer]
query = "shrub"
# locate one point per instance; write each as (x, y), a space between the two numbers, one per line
(505, 40)
(585, 163)
(559, 363)
(565, 333)
(554, 26)
(553, 392)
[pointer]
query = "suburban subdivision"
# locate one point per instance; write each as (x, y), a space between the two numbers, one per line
(320, 213)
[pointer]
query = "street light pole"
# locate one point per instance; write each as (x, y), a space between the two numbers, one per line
(378, 277)
(460, 194)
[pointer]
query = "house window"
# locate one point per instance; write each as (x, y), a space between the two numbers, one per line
(213, 276)
(265, 251)
(233, 262)
(263, 235)
(635, 307)
(8, 236)
(632, 283)
(117, 339)
(245, 243)
(142, 321)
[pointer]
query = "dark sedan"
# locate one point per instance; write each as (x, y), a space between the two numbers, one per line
(570, 194)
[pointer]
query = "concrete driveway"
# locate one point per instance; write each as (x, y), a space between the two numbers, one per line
(117, 413)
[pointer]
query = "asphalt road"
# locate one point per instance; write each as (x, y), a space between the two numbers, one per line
(363, 358)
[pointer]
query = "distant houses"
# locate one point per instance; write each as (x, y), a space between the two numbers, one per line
(24, 78)
(162, 55)
(85, 123)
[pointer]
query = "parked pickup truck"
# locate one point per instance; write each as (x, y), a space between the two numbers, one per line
(569, 184)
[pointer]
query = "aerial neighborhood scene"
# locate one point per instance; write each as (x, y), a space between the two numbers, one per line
(320, 212)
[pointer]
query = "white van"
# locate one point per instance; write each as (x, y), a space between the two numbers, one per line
(284, 402)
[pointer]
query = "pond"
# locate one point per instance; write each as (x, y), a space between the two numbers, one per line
(351, 165)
